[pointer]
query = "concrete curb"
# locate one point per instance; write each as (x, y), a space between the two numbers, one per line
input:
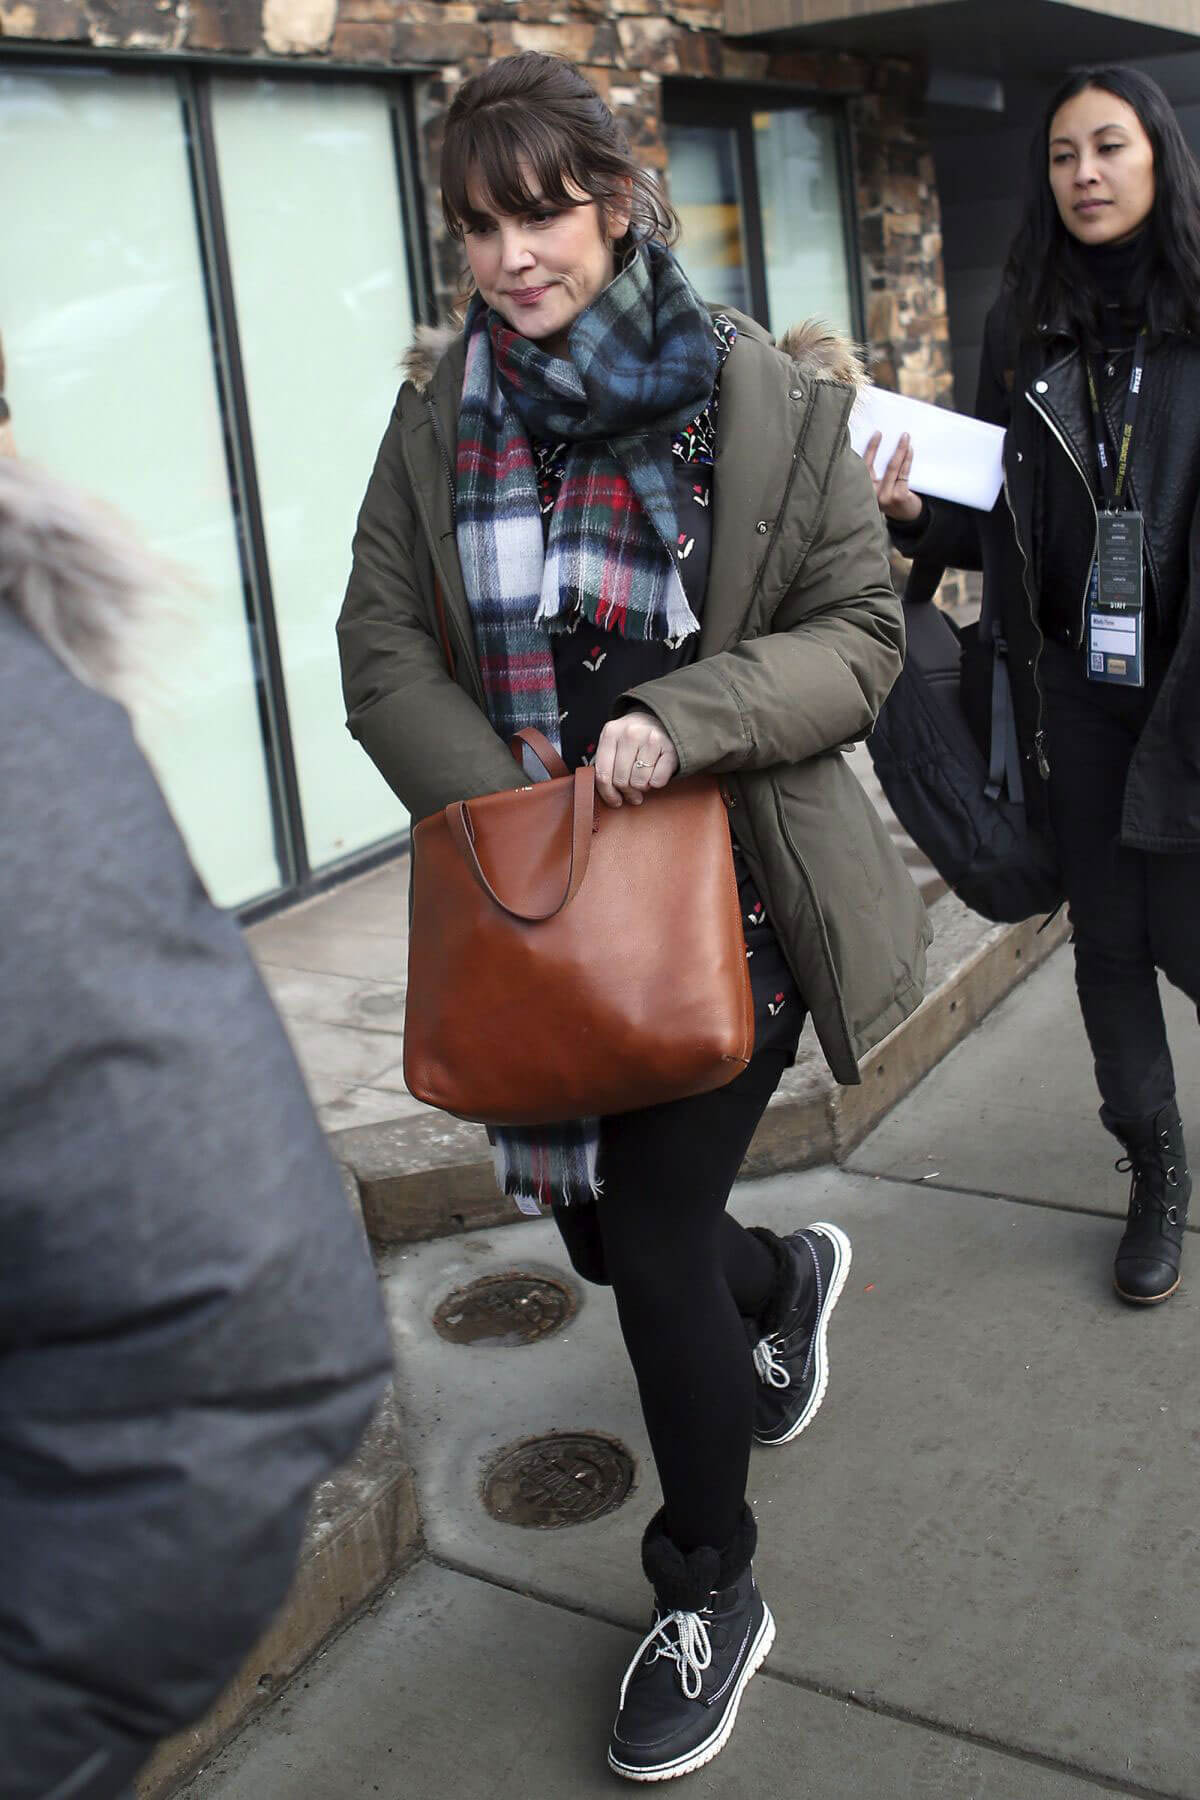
(363, 1530)
(432, 1176)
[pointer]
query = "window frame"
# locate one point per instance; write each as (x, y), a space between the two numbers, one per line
(194, 76)
(734, 105)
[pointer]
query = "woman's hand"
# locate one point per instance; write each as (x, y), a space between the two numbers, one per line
(633, 755)
(896, 499)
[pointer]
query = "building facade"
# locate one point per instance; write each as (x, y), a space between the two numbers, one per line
(221, 226)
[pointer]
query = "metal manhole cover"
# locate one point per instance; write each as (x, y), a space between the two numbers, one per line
(567, 1478)
(504, 1309)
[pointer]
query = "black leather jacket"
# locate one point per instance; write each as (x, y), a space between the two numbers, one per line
(1036, 390)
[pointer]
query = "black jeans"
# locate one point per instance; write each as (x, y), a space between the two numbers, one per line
(1133, 911)
(687, 1278)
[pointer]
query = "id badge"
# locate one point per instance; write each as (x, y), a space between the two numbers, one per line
(1116, 602)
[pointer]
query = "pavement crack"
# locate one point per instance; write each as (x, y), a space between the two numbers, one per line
(900, 1715)
(924, 1184)
(530, 1591)
(982, 1740)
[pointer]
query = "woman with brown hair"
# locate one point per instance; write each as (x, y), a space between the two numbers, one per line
(653, 544)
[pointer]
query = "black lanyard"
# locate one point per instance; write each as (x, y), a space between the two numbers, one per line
(1114, 485)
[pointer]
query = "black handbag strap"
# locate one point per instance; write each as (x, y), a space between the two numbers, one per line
(1004, 761)
(1004, 750)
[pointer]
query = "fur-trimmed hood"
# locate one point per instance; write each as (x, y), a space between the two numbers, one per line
(821, 351)
(73, 573)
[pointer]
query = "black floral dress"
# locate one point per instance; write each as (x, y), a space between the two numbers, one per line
(594, 669)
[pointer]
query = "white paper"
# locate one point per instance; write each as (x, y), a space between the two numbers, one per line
(954, 457)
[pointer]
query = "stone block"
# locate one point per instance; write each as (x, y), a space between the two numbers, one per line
(136, 24)
(50, 21)
(898, 225)
(601, 79)
(917, 385)
(605, 51)
(744, 65)
(453, 42)
(298, 27)
(574, 41)
(225, 25)
(699, 55)
(883, 318)
(649, 43)
(539, 12)
(362, 41)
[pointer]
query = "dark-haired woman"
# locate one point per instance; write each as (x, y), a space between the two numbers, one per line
(1092, 361)
(653, 544)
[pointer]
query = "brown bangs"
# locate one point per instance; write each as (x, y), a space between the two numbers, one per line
(514, 163)
(531, 131)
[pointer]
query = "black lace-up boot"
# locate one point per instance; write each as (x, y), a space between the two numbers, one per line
(789, 1343)
(711, 1631)
(1146, 1269)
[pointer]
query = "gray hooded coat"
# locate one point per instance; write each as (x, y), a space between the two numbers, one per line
(190, 1330)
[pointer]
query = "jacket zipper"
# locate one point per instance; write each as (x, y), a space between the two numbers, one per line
(445, 456)
(1074, 461)
(1039, 736)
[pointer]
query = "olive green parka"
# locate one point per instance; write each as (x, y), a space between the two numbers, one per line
(801, 639)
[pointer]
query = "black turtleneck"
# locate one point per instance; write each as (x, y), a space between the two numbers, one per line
(1117, 275)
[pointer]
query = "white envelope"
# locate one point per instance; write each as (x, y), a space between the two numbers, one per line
(954, 457)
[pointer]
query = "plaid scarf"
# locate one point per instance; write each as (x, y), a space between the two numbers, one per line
(643, 364)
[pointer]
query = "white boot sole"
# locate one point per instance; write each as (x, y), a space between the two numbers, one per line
(704, 1753)
(843, 1256)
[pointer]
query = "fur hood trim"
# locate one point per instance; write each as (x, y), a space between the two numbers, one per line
(74, 574)
(822, 352)
(426, 351)
(825, 354)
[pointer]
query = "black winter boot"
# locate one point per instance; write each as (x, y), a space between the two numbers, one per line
(1146, 1269)
(711, 1631)
(791, 1357)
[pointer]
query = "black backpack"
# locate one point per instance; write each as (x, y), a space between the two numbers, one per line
(945, 751)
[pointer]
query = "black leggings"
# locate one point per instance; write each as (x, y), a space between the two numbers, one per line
(686, 1278)
(1133, 911)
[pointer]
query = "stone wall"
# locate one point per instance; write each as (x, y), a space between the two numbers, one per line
(627, 48)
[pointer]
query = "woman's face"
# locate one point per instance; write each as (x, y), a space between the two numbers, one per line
(1101, 167)
(541, 268)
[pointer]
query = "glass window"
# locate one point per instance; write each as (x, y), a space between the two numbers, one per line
(312, 214)
(800, 196)
(706, 193)
(111, 380)
(759, 192)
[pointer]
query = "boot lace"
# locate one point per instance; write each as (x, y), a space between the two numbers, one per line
(1139, 1168)
(767, 1364)
(690, 1649)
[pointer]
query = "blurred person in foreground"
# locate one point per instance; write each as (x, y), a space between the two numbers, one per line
(191, 1336)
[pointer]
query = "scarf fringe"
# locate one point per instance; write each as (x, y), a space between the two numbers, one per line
(573, 1187)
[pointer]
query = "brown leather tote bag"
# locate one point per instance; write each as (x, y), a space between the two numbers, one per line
(567, 959)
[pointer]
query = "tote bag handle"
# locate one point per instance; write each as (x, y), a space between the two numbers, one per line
(583, 812)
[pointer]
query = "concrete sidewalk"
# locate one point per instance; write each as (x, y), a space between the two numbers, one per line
(982, 1556)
